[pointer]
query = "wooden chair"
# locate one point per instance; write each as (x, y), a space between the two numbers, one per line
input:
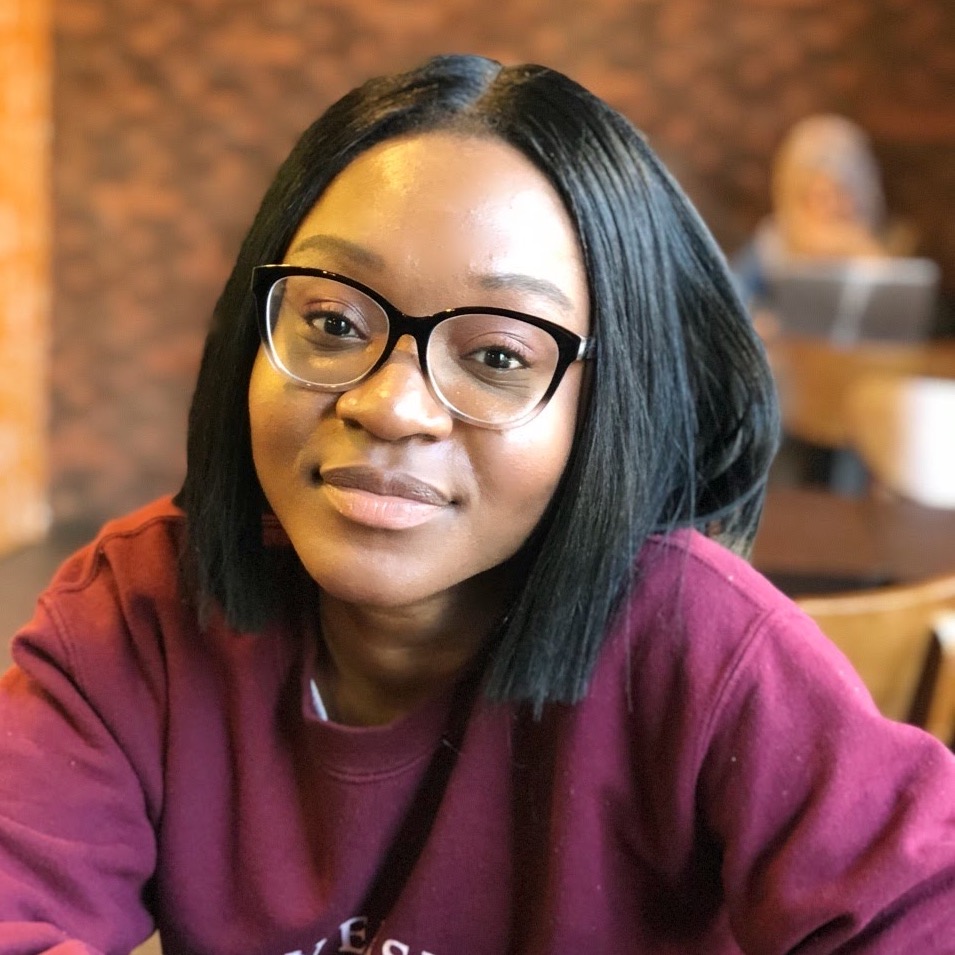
(940, 720)
(903, 429)
(901, 640)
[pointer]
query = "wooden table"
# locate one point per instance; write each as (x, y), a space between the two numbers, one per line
(814, 376)
(813, 541)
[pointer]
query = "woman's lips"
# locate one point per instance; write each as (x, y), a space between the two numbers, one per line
(381, 499)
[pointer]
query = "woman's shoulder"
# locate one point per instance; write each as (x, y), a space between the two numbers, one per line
(103, 640)
(698, 617)
(701, 580)
(141, 547)
(128, 570)
(117, 631)
(124, 597)
(117, 601)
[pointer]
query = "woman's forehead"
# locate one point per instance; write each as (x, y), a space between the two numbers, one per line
(456, 182)
(444, 208)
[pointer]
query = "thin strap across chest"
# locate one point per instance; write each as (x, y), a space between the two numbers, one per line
(403, 854)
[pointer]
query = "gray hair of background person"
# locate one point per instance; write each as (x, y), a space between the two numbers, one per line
(841, 150)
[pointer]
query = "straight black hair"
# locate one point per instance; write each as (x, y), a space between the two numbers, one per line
(679, 420)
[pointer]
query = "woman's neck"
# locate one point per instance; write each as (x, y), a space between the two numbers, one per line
(378, 664)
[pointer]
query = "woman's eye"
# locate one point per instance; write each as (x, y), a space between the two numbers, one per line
(331, 323)
(500, 359)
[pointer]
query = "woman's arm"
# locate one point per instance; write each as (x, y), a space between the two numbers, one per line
(77, 844)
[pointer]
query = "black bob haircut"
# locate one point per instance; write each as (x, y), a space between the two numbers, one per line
(678, 423)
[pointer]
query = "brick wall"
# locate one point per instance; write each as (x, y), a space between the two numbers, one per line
(24, 265)
(171, 117)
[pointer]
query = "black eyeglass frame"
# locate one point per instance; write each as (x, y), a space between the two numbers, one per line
(571, 347)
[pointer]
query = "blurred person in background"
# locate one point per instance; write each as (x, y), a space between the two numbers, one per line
(828, 203)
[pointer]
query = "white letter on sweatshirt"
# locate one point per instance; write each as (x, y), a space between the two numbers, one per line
(353, 933)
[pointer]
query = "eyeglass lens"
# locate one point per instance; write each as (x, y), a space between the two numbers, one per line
(491, 368)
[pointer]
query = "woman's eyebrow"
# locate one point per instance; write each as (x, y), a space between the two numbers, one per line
(490, 281)
(343, 248)
(519, 282)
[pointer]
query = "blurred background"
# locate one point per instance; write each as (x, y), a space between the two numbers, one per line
(139, 137)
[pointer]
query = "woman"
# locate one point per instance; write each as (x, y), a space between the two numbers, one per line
(449, 666)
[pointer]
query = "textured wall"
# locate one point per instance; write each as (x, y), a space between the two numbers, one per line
(24, 267)
(171, 117)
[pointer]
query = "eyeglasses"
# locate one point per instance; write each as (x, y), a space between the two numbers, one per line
(492, 367)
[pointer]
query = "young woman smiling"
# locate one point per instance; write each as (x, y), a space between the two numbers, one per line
(443, 646)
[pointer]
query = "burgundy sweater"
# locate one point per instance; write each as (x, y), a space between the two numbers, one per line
(727, 785)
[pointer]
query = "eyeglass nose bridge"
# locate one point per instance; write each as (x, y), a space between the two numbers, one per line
(399, 325)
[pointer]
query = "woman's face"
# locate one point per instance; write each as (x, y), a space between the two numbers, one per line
(388, 499)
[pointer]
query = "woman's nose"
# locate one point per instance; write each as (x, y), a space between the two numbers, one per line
(396, 402)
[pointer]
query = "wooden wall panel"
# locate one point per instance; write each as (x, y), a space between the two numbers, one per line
(24, 269)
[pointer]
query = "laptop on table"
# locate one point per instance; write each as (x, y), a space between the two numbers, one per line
(851, 300)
